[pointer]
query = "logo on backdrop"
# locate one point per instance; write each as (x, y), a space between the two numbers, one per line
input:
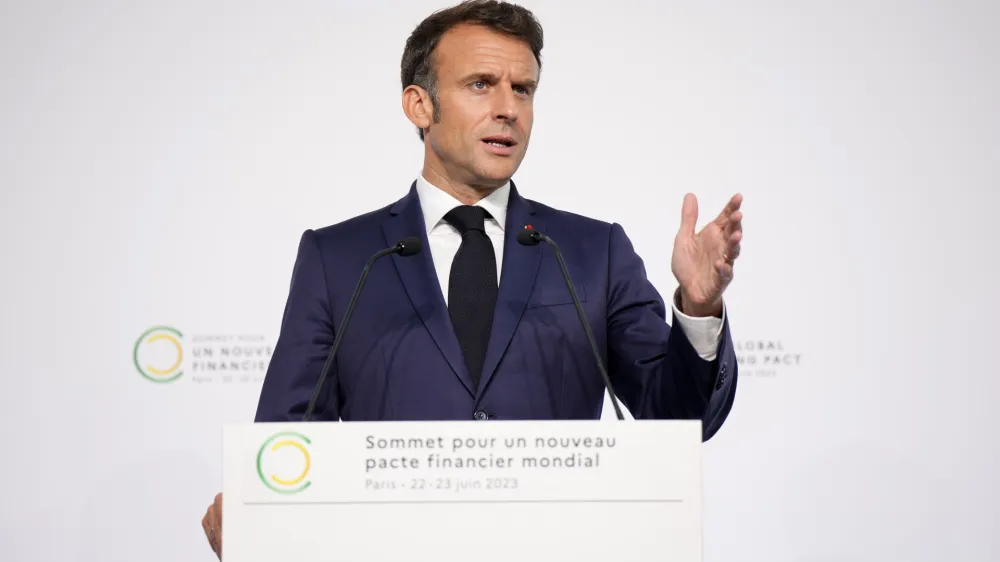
(158, 354)
(766, 358)
(163, 354)
(283, 462)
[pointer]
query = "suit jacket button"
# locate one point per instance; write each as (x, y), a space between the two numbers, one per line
(481, 415)
(723, 370)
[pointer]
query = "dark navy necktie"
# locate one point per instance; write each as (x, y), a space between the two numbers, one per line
(472, 287)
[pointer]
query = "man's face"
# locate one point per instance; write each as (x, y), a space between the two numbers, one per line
(486, 85)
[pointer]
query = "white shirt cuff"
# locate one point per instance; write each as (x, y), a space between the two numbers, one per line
(704, 333)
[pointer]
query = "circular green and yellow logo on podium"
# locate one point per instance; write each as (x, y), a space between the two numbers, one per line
(283, 462)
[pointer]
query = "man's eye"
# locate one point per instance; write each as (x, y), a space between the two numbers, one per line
(478, 85)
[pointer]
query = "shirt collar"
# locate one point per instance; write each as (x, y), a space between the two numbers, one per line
(436, 203)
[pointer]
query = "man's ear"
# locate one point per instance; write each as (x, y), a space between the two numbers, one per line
(418, 106)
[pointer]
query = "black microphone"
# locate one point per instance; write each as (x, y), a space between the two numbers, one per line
(405, 247)
(531, 237)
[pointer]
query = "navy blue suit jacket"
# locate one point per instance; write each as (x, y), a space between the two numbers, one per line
(400, 359)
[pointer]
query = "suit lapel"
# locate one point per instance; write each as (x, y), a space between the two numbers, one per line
(420, 280)
(517, 277)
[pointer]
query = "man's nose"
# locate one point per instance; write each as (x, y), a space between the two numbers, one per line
(505, 104)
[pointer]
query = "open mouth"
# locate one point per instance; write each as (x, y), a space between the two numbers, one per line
(500, 142)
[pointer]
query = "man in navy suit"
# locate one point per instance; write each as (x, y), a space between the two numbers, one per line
(478, 326)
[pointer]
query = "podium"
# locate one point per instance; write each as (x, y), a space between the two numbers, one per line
(462, 491)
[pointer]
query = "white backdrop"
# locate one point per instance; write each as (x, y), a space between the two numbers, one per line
(158, 162)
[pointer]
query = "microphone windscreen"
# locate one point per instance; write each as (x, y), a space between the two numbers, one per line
(410, 246)
(528, 237)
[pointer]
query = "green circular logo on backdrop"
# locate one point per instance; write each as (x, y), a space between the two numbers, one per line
(159, 355)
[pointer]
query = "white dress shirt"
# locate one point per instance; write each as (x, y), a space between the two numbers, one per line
(444, 240)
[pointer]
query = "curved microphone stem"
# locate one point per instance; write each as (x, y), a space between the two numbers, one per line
(340, 331)
(586, 326)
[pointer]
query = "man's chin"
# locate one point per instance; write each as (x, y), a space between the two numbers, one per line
(495, 174)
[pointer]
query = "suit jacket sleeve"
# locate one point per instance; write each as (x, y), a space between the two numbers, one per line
(655, 371)
(303, 344)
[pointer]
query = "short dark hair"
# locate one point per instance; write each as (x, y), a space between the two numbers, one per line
(513, 20)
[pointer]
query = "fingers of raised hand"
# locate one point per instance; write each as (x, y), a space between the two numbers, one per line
(734, 223)
(734, 203)
(733, 247)
(732, 234)
(731, 207)
(689, 215)
(724, 270)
